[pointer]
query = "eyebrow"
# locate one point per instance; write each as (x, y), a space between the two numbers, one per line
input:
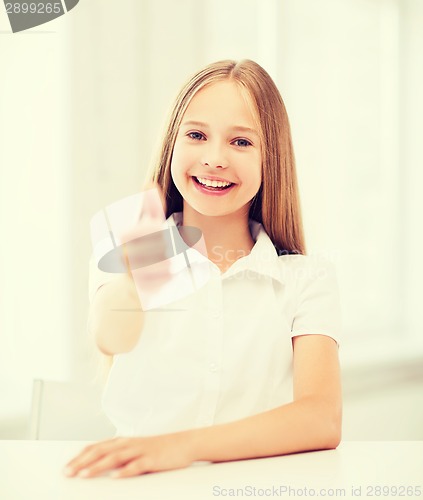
(237, 128)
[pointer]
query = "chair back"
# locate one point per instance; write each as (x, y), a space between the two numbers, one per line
(68, 411)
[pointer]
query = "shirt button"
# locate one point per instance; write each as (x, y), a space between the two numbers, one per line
(216, 313)
(213, 367)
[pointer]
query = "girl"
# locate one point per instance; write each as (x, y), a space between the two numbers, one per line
(247, 365)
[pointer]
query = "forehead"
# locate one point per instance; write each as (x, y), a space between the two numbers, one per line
(222, 101)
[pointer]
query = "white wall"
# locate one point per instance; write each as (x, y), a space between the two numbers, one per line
(82, 101)
(412, 161)
(35, 174)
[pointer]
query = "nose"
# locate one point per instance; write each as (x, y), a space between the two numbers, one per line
(214, 156)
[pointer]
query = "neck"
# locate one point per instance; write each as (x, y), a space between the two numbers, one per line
(227, 237)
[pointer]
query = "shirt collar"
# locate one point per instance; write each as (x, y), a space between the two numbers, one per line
(263, 258)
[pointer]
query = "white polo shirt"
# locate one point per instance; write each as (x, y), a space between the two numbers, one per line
(223, 352)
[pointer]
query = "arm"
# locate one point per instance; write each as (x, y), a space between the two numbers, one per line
(115, 317)
(311, 422)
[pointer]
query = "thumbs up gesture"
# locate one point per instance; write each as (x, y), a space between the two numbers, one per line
(147, 246)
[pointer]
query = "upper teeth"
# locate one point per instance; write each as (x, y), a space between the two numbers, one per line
(208, 182)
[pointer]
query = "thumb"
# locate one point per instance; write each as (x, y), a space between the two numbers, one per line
(153, 205)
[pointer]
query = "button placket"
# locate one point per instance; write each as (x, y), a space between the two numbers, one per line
(213, 367)
(214, 333)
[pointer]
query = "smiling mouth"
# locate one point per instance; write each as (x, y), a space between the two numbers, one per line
(212, 185)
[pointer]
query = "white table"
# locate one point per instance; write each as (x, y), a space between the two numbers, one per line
(33, 470)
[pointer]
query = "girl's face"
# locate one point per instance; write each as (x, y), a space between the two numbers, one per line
(217, 144)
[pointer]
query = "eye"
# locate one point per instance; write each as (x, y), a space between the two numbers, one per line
(243, 143)
(196, 136)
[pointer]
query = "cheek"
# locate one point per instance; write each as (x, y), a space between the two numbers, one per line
(256, 174)
(256, 183)
(176, 164)
(181, 160)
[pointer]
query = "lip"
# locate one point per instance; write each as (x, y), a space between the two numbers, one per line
(213, 178)
(204, 190)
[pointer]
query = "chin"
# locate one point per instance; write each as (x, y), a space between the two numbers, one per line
(213, 211)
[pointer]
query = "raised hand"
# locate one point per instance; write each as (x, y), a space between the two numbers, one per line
(148, 246)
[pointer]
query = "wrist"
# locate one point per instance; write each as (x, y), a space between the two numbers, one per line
(197, 439)
(202, 443)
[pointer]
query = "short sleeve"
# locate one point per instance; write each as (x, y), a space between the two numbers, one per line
(318, 307)
(97, 278)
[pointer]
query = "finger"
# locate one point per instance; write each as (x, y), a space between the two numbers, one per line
(150, 284)
(126, 260)
(90, 454)
(158, 242)
(110, 461)
(155, 185)
(146, 225)
(153, 206)
(141, 465)
(146, 250)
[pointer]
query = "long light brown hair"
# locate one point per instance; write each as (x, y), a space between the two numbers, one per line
(277, 203)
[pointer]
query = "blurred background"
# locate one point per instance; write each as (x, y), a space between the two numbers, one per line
(82, 104)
